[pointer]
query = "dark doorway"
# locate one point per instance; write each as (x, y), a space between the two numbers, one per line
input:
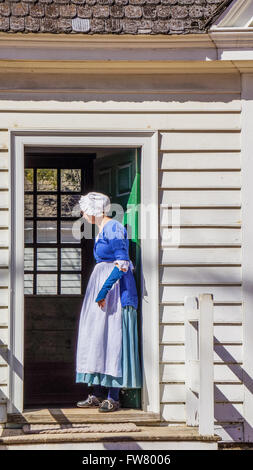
(58, 265)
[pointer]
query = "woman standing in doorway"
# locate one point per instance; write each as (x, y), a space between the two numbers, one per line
(107, 349)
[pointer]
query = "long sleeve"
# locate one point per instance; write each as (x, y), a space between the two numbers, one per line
(114, 276)
(118, 245)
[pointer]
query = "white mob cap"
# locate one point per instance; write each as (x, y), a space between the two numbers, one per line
(95, 204)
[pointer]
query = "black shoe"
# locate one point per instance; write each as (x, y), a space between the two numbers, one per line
(90, 402)
(109, 405)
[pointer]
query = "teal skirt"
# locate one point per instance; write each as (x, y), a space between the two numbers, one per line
(132, 377)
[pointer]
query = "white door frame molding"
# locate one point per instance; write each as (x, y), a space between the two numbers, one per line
(148, 141)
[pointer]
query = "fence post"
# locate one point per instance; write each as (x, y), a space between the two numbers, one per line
(206, 382)
(191, 360)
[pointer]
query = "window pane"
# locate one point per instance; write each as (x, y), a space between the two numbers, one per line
(46, 179)
(124, 179)
(105, 181)
(28, 283)
(66, 232)
(28, 235)
(70, 206)
(46, 284)
(28, 259)
(46, 231)
(47, 259)
(28, 179)
(47, 206)
(71, 284)
(71, 259)
(28, 205)
(70, 180)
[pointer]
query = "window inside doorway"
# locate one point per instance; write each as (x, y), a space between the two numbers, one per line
(54, 258)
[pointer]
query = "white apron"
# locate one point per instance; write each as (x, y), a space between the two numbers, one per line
(99, 345)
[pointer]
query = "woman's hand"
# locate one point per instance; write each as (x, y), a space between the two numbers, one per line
(121, 269)
(101, 303)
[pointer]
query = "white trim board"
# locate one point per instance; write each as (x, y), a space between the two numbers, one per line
(239, 14)
(247, 248)
(148, 141)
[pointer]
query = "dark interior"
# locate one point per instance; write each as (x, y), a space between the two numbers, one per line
(57, 267)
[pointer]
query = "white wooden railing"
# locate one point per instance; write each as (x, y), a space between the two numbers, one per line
(199, 363)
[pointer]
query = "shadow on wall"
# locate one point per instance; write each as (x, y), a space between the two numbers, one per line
(120, 88)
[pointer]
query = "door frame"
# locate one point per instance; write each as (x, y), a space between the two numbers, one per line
(148, 142)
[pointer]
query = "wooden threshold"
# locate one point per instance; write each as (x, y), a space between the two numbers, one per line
(79, 415)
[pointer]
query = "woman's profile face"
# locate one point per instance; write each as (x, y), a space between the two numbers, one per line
(89, 218)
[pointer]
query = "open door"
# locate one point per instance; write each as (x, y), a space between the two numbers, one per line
(118, 176)
(57, 269)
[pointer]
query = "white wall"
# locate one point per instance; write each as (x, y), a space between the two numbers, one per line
(198, 118)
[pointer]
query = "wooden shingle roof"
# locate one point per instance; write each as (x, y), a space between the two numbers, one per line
(108, 16)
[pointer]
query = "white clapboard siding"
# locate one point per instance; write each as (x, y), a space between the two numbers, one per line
(203, 197)
(4, 160)
(201, 216)
(200, 179)
(200, 274)
(200, 140)
(223, 353)
(3, 139)
(3, 375)
(4, 179)
(222, 393)
(221, 293)
(222, 333)
(223, 412)
(4, 275)
(4, 316)
(230, 432)
(4, 199)
(140, 120)
(200, 255)
(198, 130)
(3, 336)
(223, 373)
(3, 356)
(201, 160)
(4, 217)
(4, 237)
(200, 213)
(201, 236)
(3, 393)
(222, 313)
(4, 298)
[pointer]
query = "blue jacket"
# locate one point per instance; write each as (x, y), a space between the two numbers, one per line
(113, 244)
